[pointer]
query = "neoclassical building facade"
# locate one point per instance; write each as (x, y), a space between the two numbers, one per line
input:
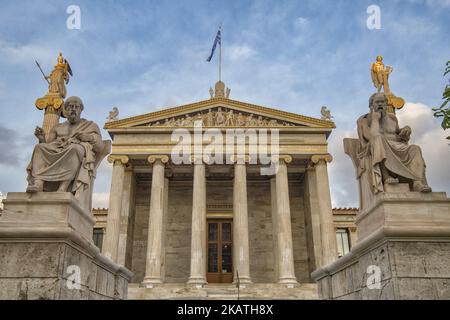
(182, 220)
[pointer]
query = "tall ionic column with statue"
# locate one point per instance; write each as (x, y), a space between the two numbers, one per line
(50, 226)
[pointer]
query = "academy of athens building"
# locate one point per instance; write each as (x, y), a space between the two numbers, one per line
(182, 228)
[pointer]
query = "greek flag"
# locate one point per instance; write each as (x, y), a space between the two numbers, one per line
(217, 40)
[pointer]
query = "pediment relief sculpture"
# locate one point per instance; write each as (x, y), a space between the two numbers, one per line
(220, 117)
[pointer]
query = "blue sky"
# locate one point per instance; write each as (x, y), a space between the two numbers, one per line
(293, 55)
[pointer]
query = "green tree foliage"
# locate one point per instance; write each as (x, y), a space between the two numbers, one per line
(444, 110)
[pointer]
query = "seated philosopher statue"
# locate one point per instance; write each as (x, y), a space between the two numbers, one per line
(68, 158)
(382, 155)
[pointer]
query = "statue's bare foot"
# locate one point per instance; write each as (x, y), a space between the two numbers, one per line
(37, 186)
(63, 186)
(391, 180)
(419, 186)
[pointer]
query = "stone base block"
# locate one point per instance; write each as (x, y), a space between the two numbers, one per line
(409, 213)
(251, 291)
(403, 252)
(46, 252)
(392, 270)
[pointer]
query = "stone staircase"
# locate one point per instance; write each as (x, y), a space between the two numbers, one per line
(263, 291)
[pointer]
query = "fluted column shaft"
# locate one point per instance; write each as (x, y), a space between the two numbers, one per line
(241, 257)
(111, 243)
(327, 232)
(286, 270)
(155, 224)
(198, 237)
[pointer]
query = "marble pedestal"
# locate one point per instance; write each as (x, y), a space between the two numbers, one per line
(47, 252)
(402, 252)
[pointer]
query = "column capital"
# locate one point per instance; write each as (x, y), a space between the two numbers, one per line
(112, 158)
(315, 159)
(282, 157)
(154, 157)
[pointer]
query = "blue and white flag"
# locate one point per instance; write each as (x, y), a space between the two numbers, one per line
(217, 40)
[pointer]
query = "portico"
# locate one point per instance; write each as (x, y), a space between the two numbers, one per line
(201, 221)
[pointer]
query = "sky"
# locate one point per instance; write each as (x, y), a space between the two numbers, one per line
(297, 56)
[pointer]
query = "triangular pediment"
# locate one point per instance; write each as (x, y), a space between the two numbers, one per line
(220, 112)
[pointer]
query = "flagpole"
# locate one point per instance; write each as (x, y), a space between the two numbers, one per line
(220, 54)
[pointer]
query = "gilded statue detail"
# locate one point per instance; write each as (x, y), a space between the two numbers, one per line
(380, 78)
(380, 75)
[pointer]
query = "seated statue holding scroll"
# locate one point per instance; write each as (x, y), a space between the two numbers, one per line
(68, 158)
(384, 146)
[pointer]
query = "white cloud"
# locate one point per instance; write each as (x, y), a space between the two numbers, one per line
(418, 26)
(100, 200)
(432, 3)
(238, 52)
(301, 23)
(1, 200)
(343, 183)
(26, 54)
(427, 133)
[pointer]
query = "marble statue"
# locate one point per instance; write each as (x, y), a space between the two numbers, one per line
(382, 155)
(326, 114)
(209, 118)
(113, 115)
(66, 161)
(220, 117)
(240, 120)
(229, 120)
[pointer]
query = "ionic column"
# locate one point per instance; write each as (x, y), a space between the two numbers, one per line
(198, 236)
(241, 257)
(327, 232)
(111, 243)
(125, 235)
(283, 231)
(155, 223)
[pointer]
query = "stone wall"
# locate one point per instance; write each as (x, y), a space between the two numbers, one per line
(140, 235)
(178, 232)
(409, 270)
(39, 271)
(260, 232)
(47, 252)
(299, 232)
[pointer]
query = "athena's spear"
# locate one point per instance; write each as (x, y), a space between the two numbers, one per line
(45, 77)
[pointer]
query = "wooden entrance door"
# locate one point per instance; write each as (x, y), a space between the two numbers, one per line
(220, 253)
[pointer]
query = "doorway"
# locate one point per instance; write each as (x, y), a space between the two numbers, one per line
(220, 251)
